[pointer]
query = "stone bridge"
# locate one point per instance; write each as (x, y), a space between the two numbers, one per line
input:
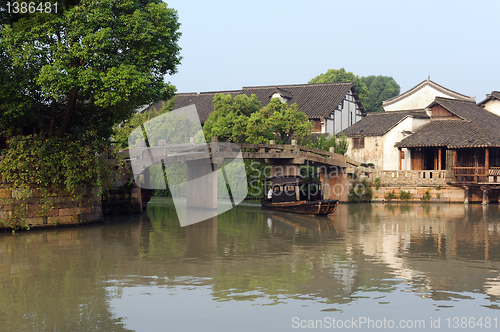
(283, 159)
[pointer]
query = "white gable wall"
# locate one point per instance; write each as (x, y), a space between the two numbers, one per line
(345, 115)
(419, 100)
(391, 153)
(493, 106)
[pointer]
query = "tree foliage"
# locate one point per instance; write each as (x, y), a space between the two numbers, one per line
(372, 90)
(87, 66)
(278, 121)
(122, 131)
(380, 88)
(326, 141)
(340, 75)
(32, 161)
(242, 119)
(229, 120)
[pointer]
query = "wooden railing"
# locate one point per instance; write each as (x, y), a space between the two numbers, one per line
(476, 174)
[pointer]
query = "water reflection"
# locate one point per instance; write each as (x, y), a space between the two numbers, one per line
(111, 276)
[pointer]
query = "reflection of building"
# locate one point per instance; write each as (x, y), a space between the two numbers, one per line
(434, 248)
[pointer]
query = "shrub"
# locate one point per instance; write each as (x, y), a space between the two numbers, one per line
(390, 196)
(427, 195)
(36, 161)
(360, 191)
(405, 195)
(377, 183)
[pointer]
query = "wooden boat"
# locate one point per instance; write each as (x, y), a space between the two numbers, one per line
(291, 194)
(322, 207)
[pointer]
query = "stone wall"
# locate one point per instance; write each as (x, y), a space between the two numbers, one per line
(447, 194)
(27, 208)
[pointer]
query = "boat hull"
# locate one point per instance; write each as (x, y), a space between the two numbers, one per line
(322, 207)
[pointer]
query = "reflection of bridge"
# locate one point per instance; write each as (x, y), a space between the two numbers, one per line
(282, 159)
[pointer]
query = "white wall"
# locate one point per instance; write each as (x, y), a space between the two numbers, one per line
(419, 100)
(380, 150)
(373, 151)
(329, 126)
(391, 153)
(493, 106)
(344, 116)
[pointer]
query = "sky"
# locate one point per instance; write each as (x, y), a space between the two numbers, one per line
(227, 45)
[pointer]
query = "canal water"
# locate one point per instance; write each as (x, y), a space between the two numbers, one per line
(367, 267)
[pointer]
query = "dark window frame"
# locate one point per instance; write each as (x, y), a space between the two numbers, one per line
(358, 142)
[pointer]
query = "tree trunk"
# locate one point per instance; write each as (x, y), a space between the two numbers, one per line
(70, 110)
(53, 113)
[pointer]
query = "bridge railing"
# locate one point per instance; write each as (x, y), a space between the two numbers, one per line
(219, 151)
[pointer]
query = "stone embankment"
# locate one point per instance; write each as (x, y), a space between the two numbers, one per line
(26, 208)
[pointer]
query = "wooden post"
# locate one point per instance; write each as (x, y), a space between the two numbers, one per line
(439, 159)
(466, 194)
(454, 165)
(400, 160)
(487, 164)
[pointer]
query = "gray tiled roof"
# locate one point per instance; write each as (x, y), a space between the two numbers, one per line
(450, 133)
(315, 100)
(475, 128)
(494, 95)
(378, 124)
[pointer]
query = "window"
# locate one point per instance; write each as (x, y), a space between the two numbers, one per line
(358, 143)
(494, 157)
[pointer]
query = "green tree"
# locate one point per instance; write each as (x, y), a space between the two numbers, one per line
(67, 77)
(89, 65)
(278, 121)
(122, 131)
(340, 75)
(327, 141)
(372, 90)
(228, 122)
(380, 88)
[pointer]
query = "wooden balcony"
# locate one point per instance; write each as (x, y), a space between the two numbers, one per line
(476, 175)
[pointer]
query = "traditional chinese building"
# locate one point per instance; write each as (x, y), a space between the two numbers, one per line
(461, 137)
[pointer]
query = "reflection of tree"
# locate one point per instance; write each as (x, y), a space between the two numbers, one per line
(53, 282)
(166, 238)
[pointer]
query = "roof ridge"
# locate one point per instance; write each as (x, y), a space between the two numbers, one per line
(221, 91)
(295, 85)
(456, 100)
